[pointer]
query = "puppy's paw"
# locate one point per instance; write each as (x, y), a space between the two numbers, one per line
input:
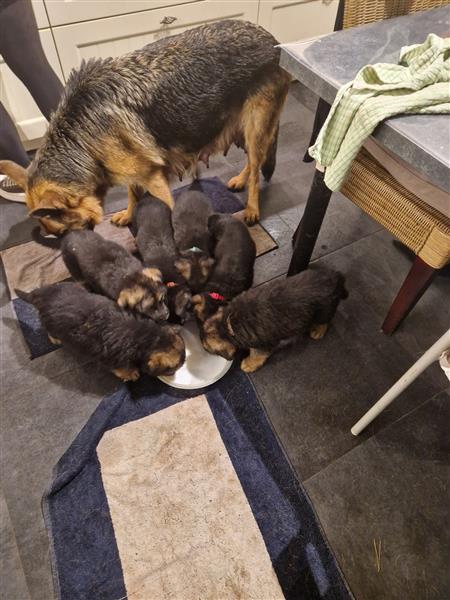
(121, 218)
(54, 341)
(318, 331)
(127, 374)
(251, 216)
(248, 365)
(236, 183)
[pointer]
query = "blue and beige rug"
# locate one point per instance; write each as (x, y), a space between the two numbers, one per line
(163, 496)
(30, 265)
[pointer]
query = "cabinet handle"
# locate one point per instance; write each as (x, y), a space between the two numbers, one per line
(168, 20)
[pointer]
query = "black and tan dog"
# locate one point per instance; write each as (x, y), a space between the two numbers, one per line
(108, 268)
(152, 228)
(264, 318)
(138, 118)
(97, 327)
(192, 237)
(234, 255)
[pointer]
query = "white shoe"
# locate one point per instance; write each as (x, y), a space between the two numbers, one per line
(10, 190)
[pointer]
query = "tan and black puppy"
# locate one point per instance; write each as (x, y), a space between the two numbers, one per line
(96, 326)
(139, 118)
(263, 319)
(152, 228)
(234, 256)
(192, 237)
(109, 269)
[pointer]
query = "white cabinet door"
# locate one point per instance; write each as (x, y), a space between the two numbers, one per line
(63, 12)
(291, 20)
(17, 100)
(118, 35)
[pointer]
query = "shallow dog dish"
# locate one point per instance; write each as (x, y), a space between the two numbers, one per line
(200, 368)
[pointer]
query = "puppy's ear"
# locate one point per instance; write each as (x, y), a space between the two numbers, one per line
(47, 213)
(15, 172)
(183, 266)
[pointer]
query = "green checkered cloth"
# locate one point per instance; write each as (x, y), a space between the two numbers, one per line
(420, 83)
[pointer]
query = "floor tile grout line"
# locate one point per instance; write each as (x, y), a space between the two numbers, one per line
(371, 436)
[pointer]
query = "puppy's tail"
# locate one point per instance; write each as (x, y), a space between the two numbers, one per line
(268, 166)
(49, 242)
(343, 293)
(26, 296)
(195, 185)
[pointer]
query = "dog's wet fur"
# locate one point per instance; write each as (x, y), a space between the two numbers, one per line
(262, 319)
(136, 119)
(152, 228)
(192, 237)
(95, 326)
(234, 255)
(105, 267)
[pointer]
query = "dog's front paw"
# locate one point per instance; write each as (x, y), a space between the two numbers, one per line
(248, 365)
(251, 216)
(127, 374)
(318, 331)
(236, 184)
(121, 218)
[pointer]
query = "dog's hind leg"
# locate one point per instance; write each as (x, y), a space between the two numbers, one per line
(239, 182)
(317, 331)
(255, 360)
(124, 217)
(260, 117)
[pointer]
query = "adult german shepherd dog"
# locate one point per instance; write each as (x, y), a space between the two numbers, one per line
(141, 117)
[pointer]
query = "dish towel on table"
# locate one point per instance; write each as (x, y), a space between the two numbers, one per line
(420, 83)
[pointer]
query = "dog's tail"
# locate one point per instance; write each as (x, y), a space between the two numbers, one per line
(196, 185)
(268, 166)
(26, 296)
(343, 293)
(49, 242)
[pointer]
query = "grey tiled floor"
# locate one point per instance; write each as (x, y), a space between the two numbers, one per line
(388, 484)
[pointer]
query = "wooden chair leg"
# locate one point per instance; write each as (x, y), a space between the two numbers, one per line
(308, 229)
(414, 286)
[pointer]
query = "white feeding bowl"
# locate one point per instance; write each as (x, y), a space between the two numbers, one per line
(200, 368)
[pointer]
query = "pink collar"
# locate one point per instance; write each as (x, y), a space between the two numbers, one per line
(216, 296)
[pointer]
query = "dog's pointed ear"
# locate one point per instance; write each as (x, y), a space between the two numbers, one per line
(15, 172)
(49, 212)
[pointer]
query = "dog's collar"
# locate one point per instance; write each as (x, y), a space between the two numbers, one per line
(216, 296)
(195, 249)
(171, 284)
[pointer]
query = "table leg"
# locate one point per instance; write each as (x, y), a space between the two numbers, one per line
(308, 229)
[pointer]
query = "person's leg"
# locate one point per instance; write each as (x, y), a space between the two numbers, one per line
(22, 51)
(10, 145)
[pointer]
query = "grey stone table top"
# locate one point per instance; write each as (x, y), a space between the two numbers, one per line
(326, 63)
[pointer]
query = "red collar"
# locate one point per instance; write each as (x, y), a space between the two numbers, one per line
(216, 296)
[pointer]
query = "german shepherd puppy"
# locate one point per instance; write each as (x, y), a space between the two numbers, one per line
(109, 269)
(152, 228)
(97, 327)
(193, 239)
(138, 118)
(234, 255)
(264, 318)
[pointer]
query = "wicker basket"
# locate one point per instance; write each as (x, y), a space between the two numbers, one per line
(360, 12)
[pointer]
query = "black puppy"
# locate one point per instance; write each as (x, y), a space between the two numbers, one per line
(97, 327)
(234, 256)
(152, 227)
(263, 318)
(108, 268)
(192, 237)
